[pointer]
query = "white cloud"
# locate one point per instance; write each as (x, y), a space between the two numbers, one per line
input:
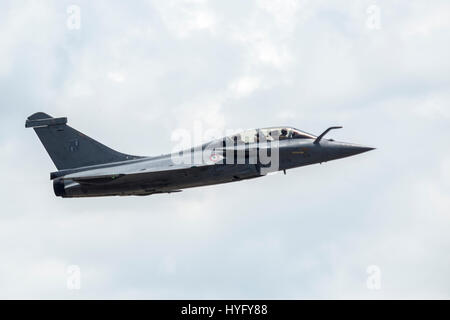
(116, 76)
(182, 17)
(245, 86)
(284, 11)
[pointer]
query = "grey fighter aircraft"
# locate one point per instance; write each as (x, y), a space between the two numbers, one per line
(87, 168)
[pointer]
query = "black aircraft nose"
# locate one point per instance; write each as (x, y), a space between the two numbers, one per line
(341, 150)
(355, 149)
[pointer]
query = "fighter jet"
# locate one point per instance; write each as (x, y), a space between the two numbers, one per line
(87, 168)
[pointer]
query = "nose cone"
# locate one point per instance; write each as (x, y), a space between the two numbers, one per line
(341, 150)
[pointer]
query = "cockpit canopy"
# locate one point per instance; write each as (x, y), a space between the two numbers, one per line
(270, 134)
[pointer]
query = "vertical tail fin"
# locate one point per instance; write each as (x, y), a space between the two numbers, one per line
(69, 148)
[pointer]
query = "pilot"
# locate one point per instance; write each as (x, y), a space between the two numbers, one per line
(296, 135)
(283, 134)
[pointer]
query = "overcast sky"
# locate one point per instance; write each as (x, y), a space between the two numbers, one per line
(134, 72)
